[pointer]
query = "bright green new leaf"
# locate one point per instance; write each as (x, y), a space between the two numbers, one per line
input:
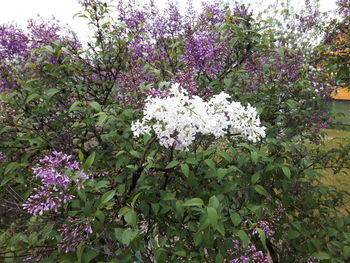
(96, 106)
(194, 202)
(321, 255)
(286, 171)
(185, 169)
(172, 164)
(261, 190)
(212, 216)
(89, 161)
(107, 196)
(244, 237)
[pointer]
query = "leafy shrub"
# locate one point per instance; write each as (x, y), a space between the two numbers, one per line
(100, 194)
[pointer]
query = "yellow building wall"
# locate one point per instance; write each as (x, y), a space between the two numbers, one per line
(341, 94)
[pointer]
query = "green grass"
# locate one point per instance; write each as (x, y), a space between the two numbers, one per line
(336, 137)
(341, 180)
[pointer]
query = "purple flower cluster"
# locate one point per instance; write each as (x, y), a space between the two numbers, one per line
(266, 227)
(203, 54)
(2, 158)
(247, 255)
(46, 198)
(276, 215)
(173, 46)
(13, 42)
(344, 7)
(285, 69)
(54, 192)
(312, 260)
(74, 232)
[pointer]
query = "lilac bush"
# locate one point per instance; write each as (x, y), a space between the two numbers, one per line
(68, 116)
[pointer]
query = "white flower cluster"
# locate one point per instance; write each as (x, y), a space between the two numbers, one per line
(178, 118)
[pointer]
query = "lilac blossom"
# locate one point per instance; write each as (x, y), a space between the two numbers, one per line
(73, 232)
(3, 158)
(247, 255)
(343, 7)
(13, 42)
(266, 227)
(46, 198)
(177, 47)
(54, 192)
(312, 260)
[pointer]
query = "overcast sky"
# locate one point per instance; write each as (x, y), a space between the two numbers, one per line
(20, 11)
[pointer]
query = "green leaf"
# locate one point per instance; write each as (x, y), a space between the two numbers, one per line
(80, 251)
(261, 190)
(292, 234)
(346, 252)
(124, 210)
(52, 92)
(118, 233)
(228, 82)
(262, 236)
(134, 199)
(11, 166)
(280, 52)
(102, 117)
(89, 255)
(168, 196)
(180, 253)
(100, 215)
(219, 258)
(214, 202)
(236, 219)
(5, 180)
(191, 161)
(32, 97)
(254, 157)
(194, 202)
(75, 106)
(129, 235)
(155, 208)
(81, 156)
(321, 255)
(286, 171)
(172, 164)
(136, 154)
(197, 238)
(221, 173)
(210, 163)
(212, 216)
(179, 208)
(131, 218)
(107, 196)
(89, 161)
(244, 237)
(96, 106)
(255, 178)
(225, 156)
(185, 169)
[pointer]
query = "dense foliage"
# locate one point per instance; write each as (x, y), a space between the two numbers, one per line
(78, 186)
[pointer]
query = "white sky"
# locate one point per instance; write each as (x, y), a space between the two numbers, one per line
(20, 11)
